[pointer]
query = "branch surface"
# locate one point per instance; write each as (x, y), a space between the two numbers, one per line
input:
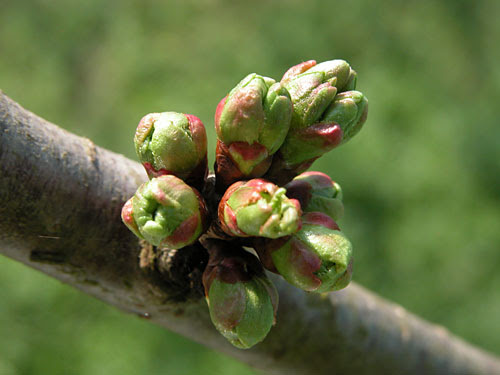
(61, 198)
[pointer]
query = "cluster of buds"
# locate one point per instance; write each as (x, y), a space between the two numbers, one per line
(268, 134)
(326, 113)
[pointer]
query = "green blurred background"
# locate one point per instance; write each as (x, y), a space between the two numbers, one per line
(421, 181)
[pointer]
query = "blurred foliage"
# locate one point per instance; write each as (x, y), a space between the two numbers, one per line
(421, 181)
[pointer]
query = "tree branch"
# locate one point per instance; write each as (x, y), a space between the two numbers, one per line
(60, 213)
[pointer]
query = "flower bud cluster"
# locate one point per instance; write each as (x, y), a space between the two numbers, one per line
(268, 134)
(278, 129)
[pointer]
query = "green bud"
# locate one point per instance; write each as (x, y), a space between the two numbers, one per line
(258, 208)
(242, 300)
(165, 211)
(316, 192)
(313, 88)
(323, 117)
(318, 258)
(253, 120)
(226, 169)
(349, 110)
(172, 143)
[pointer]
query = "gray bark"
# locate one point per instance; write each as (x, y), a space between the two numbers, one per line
(60, 202)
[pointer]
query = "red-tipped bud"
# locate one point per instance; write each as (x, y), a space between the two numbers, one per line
(258, 208)
(167, 212)
(242, 300)
(173, 143)
(318, 258)
(316, 192)
(252, 122)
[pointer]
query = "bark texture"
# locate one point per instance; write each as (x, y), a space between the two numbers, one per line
(60, 202)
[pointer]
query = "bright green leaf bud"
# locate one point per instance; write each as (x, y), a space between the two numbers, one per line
(252, 123)
(349, 110)
(318, 258)
(316, 192)
(165, 211)
(242, 300)
(258, 208)
(173, 143)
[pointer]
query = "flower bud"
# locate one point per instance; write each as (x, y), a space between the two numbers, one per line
(165, 211)
(320, 122)
(252, 122)
(313, 87)
(258, 208)
(173, 143)
(316, 192)
(349, 110)
(242, 300)
(228, 172)
(318, 258)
